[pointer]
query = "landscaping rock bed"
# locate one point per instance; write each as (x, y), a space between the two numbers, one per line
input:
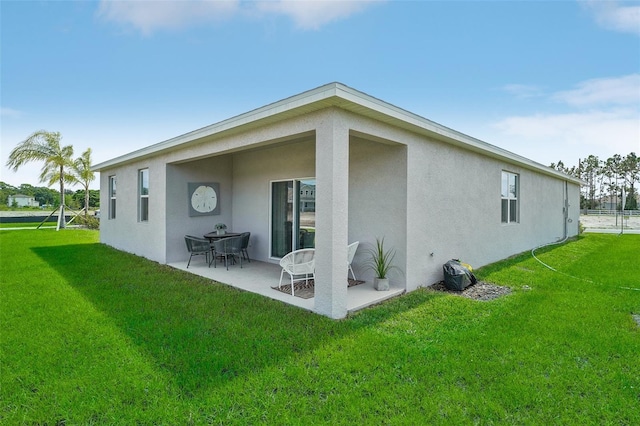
(478, 291)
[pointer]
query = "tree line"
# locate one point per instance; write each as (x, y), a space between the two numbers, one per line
(605, 180)
(49, 197)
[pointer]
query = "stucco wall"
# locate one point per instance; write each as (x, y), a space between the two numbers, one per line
(125, 232)
(253, 173)
(378, 203)
(430, 200)
(212, 160)
(454, 210)
(446, 202)
(179, 223)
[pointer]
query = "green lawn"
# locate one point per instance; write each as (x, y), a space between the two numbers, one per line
(25, 224)
(91, 335)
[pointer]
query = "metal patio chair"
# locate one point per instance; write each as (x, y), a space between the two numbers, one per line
(198, 247)
(229, 248)
(245, 244)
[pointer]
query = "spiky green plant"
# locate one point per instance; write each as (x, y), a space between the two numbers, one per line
(381, 260)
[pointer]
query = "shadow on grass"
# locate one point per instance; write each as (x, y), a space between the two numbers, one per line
(202, 333)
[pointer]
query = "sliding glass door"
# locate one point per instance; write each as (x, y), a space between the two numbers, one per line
(293, 215)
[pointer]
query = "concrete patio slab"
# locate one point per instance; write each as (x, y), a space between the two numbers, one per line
(260, 277)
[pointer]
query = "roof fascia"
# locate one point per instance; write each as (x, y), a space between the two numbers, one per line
(431, 128)
(341, 96)
(284, 105)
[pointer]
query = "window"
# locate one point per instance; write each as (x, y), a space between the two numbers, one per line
(510, 193)
(143, 193)
(112, 197)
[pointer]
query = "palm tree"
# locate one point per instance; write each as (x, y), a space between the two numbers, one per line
(83, 174)
(45, 146)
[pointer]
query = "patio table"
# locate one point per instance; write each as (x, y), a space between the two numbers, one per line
(212, 236)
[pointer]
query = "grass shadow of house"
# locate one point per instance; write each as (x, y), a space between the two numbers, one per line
(202, 333)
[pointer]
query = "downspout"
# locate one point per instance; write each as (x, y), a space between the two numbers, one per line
(566, 220)
(566, 210)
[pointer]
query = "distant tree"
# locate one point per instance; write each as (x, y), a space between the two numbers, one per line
(83, 174)
(590, 169)
(45, 146)
(630, 172)
(611, 173)
(46, 196)
(5, 191)
(94, 197)
(606, 179)
(632, 200)
(26, 189)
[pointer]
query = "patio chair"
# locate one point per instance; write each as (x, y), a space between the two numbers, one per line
(297, 263)
(351, 252)
(245, 245)
(197, 247)
(228, 248)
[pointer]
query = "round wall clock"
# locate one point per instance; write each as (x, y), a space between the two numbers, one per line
(203, 199)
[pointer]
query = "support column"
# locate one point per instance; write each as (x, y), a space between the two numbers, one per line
(332, 218)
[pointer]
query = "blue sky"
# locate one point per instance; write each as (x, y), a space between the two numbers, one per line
(550, 80)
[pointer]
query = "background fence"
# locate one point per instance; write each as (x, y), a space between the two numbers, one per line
(605, 212)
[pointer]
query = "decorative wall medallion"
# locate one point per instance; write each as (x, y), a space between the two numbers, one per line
(204, 198)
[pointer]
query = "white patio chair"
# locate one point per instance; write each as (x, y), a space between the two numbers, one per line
(351, 251)
(298, 263)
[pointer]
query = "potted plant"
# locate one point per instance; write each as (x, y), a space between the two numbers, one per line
(381, 262)
(221, 228)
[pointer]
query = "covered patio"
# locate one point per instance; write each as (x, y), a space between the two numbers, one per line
(259, 277)
(305, 173)
(290, 192)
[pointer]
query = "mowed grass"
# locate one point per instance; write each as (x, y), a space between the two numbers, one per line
(91, 335)
(25, 224)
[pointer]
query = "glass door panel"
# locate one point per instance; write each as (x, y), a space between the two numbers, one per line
(307, 213)
(281, 217)
(292, 227)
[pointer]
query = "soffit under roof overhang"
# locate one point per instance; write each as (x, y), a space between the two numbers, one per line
(333, 95)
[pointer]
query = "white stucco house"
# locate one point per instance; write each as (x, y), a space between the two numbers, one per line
(375, 170)
(22, 200)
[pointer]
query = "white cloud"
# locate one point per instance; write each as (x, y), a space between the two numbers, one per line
(603, 91)
(522, 90)
(602, 118)
(617, 130)
(10, 113)
(148, 16)
(615, 16)
(312, 14)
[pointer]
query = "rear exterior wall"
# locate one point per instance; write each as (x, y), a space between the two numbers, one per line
(454, 211)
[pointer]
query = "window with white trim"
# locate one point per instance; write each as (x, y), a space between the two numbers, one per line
(112, 197)
(143, 195)
(510, 193)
